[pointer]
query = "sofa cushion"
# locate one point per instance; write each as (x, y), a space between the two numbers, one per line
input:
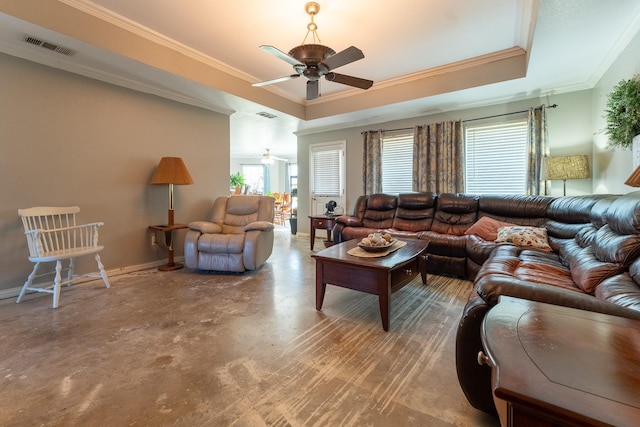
(221, 243)
(414, 212)
(381, 209)
(454, 214)
(563, 230)
(444, 244)
(544, 267)
(585, 236)
(349, 221)
(588, 271)
(527, 265)
(487, 228)
(610, 246)
(572, 209)
(534, 237)
(598, 214)
(623, 215)
(621, 290)
(478, 251)
(514, 206)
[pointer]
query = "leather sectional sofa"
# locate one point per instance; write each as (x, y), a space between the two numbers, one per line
(585, 255)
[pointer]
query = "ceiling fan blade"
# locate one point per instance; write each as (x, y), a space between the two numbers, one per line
(349, 80)
(267, 155)
(313, 90)
(278, 80)
(280, 54)
(344, 57)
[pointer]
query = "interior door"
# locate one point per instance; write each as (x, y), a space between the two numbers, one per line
(327, 175)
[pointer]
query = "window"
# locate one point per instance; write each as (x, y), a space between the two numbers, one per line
(254, 177)
(496, 158)
(327, 175)
(327, 172)
(397, 162)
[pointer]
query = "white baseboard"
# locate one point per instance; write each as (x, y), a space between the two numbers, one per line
(14, 292)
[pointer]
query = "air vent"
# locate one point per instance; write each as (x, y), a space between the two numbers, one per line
(266, 115)
(50, 46)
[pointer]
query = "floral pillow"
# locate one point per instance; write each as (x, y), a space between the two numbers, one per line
(519, 235)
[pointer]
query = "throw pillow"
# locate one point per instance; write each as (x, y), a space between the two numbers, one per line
(532, 237)
(487, 228)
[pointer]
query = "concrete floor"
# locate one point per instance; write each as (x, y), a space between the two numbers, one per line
(191, 348)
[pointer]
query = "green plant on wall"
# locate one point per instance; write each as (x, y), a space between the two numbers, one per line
(623, 113)
(236, 180)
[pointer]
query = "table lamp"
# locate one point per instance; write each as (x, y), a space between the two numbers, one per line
(634, 178)
(171, 170)
(567, 167)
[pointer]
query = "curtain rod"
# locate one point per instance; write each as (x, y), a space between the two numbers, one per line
(469, 120)
(505, 114)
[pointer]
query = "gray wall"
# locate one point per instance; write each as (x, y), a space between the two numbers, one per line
(68, 140)
(570, 132)
(613, 166)
(575, 127)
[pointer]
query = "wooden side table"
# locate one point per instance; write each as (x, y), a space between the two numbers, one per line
(168, 238)
(559, 366)
(322, 222)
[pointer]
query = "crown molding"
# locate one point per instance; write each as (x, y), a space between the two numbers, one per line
(106, 77)
(154, 37)
(429, 73)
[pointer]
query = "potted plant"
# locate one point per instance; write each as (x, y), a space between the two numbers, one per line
(236, 181)
(623, 113)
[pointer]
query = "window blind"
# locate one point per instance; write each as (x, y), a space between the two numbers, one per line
(397, 163)
(496, 158)
(326, 172)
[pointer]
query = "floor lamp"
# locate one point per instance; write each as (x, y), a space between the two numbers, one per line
(171, 171)
(566, 167)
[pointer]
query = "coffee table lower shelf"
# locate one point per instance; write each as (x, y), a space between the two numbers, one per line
(378, 276)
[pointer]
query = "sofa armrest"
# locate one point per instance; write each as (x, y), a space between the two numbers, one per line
(205, 227)
(491, 287)
(259, 225)
(349, 221)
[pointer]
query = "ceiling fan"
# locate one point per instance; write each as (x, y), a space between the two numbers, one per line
(268, 159)
(315, 60)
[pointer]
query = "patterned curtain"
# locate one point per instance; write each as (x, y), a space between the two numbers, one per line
(537, 148)
(372, 162)
(438, 152)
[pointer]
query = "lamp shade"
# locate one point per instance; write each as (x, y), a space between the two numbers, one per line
(171, 170)
(634, 179)
(567, 167)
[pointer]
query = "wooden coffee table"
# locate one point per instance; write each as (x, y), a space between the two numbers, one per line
(378, 276)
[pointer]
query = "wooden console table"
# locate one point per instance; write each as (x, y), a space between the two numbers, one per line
(168, 238)
(322, 222)
(556, 365)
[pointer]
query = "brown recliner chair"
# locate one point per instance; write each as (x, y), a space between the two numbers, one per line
(238, 237)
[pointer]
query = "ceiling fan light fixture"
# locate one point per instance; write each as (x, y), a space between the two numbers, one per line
(314, 60)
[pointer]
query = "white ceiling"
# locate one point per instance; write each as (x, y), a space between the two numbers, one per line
(569, 44)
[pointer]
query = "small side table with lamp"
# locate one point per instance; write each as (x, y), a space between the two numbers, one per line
(171, 170)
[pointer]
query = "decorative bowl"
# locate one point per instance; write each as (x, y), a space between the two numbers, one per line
(376, 248)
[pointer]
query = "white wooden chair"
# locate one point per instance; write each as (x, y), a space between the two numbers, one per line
(52, 235)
